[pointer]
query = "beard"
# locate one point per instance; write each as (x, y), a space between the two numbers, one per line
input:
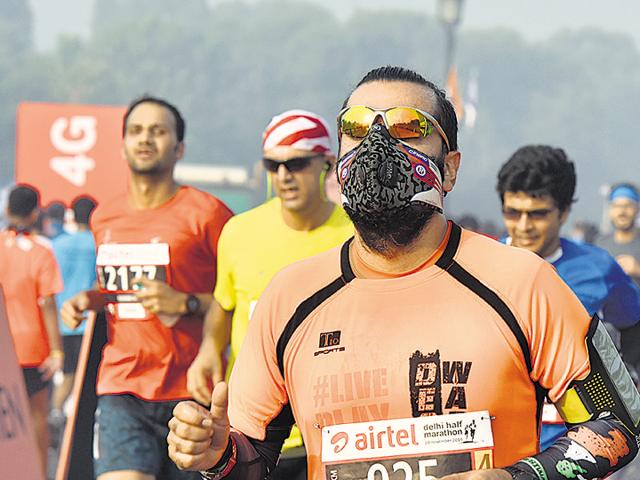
(150, 169)
(624, 224)
(157, 166)
(387, 231)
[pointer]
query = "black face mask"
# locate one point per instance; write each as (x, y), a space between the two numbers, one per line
(389, 190)
(384, 174)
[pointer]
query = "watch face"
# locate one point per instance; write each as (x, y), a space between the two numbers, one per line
(193, 304)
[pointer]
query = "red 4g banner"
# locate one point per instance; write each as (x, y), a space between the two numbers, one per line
(66, 150)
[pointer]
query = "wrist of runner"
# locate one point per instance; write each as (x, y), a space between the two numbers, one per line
(211, 347)
(97, 300)
(526, 469)
(225, 464)
(182, 303)
(56, 353)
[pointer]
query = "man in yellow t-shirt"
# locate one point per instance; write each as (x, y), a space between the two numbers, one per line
(298, 223)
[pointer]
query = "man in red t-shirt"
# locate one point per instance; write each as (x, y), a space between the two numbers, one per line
(156, 266)
(30, 278)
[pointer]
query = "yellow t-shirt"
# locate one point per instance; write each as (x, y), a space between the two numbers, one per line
(256, 245)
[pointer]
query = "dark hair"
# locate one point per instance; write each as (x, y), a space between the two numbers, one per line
(446, 114)
(180, 124)
(23, 200)
(56, 211)
(539, 170)
(82, 207)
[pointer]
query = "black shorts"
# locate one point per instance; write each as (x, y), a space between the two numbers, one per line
(131, 434)
(71, 345)
(33, 381)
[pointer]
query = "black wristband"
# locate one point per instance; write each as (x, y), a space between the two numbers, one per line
(526, 469)
(192, 304)
(518, 474)
(222, 463)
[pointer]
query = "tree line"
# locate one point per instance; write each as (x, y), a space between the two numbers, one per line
(232, 66)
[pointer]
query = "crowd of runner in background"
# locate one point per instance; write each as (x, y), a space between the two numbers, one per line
(67, 229)
(64, 230)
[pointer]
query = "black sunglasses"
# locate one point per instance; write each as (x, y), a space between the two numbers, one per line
(514, 214)
(296, 164)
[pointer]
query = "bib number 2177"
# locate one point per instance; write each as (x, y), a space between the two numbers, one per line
(123, 278)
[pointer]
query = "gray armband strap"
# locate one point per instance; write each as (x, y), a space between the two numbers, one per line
(607, 389)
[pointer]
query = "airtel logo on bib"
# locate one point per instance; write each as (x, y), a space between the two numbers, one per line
(374, 440)
(337, 438)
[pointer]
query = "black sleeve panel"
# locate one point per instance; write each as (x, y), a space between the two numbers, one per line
(590, 450)
(256, 459)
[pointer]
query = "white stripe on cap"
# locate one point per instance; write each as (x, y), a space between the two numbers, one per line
(289, 128)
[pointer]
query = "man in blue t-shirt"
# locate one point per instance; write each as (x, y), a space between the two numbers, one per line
(536, 187)
(76, 255)
(624, 242)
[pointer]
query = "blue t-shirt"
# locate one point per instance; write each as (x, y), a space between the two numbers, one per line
(76, 255)
(599, 282)
(602, 287)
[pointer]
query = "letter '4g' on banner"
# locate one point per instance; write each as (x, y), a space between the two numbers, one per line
(66, 150)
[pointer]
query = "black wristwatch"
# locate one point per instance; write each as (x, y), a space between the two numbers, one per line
(193, 304)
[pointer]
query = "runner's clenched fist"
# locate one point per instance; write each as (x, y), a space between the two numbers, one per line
(198, 437)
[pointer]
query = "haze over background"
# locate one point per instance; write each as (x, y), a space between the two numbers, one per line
(547, 72)
(534, 20)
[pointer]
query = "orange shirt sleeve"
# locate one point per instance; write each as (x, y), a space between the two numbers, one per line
(558, 330)
(47, 274)
(257, 392)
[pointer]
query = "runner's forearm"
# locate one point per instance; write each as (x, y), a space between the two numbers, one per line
(589, 451)
(50, 317)
(97, 300)
(205, 302)
(216, 330)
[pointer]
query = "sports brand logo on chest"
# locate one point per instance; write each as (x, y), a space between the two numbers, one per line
(437, 386)
(329, 342)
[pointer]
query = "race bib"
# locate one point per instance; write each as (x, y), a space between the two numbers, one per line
(422, 448)
(121, 266)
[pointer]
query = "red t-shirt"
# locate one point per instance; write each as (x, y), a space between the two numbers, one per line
(177, 243)
(28, 272)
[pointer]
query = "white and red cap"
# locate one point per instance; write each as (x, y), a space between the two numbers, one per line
(298, 129)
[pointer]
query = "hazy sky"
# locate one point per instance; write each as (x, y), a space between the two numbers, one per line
(534, 19)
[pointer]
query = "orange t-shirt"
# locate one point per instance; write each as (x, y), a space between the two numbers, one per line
(421, 344)
(143, 356)
(28, 272)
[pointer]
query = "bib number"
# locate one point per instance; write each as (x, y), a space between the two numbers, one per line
(422, 448)
(124, 277)
(121, 266)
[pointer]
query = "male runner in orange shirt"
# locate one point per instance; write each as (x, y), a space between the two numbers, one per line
(156, 263)
(412, 318)
(30, 278)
